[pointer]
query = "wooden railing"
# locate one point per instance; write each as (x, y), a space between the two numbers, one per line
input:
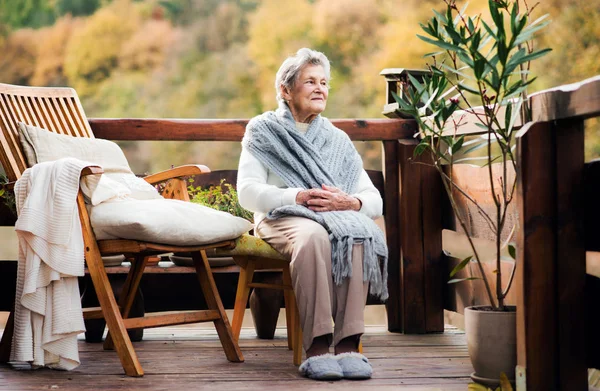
(558, 215)
(413, 306)
(557, 211)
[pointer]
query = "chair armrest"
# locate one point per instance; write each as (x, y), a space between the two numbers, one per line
(177, 172)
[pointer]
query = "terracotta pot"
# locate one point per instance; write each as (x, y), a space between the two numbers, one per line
(492, 343)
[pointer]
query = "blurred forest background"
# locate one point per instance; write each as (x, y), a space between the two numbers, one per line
(218, 58)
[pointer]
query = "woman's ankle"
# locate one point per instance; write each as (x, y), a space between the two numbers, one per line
(319, 346)
(348, 345)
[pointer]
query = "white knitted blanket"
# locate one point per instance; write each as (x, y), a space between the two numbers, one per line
(323, 155)
(48, 314)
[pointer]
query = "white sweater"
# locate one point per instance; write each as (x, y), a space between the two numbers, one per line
(260, 190)
(48, 315)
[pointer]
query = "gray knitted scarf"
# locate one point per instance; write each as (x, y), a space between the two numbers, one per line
(323, 155)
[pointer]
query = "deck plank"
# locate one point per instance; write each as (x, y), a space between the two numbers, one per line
(184, 357)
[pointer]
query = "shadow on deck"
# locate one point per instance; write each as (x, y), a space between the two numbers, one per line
(190, 358)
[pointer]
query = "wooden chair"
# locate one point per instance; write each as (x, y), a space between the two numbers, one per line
(59, 110)
(253, 254)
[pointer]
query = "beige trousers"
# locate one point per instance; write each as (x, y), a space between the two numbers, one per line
(306, 244)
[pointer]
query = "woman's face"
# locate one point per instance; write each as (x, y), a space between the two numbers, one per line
(308, 97)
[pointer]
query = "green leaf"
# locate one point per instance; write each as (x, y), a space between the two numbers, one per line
(431, 54)
(478, 68)
(456, 38)
(490, 31)
(465, 87)
(441, 44)
(458, 144)
(492, 161)
(422, 147)
(455, 280)
(440, 17)
(512, 251)
(536, 55)
(481, 144)
(461, 265)
(416, 84)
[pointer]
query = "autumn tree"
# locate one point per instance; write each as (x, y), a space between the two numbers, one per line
(92, 52)
(51, 48)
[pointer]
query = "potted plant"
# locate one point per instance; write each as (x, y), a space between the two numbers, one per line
(481, 70)
(221, 197)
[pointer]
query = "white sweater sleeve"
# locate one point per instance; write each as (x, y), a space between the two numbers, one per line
(257, 192)
(367, 193)
(254, 191)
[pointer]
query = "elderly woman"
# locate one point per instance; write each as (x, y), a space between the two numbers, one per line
(315, 204)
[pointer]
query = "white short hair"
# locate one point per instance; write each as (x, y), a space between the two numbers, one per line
(290, 69)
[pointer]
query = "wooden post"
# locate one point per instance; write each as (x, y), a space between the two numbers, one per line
(432, 191)
(551, 258)
(420, 222)
(570, 254)
(411, 241)
(391, 174)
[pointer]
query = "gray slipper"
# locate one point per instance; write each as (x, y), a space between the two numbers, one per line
(323, 367)
(355, 366)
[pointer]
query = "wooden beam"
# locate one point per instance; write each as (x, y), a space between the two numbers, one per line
(537, 334)
(551, 257)
(233, 129)
(578, 100)
(592, 325)
(170, 319)
(591, 183)
(391, 174)
(432, 191)
(570, 254)
(411, 242)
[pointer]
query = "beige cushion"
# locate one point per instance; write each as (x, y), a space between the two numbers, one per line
(40, 145)
(124, 206)
(165, 221)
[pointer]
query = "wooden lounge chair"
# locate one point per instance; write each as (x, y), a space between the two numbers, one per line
(59, 110)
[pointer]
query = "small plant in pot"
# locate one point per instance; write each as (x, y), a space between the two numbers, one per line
(221, 197)
(481, 72)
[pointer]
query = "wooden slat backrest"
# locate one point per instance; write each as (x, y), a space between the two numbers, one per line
(56, 109)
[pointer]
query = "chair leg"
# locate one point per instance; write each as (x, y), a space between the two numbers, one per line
(297, 333)
(289, 311)
(6, 343)
(241, 298)
(111, 312)
(128, 293)
(213, 300)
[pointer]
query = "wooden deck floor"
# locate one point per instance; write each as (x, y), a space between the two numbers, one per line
(185, 358)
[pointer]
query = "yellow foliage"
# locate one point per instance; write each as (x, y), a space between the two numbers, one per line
(17, 62)
(224, 28)
(51, 51)
(147, 48)
(348, 27)
(575, 51)
(277, 30)
(92, 52)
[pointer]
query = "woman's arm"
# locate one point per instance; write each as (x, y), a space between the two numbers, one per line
(366, 200)
(254, 193)
(367, 193)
